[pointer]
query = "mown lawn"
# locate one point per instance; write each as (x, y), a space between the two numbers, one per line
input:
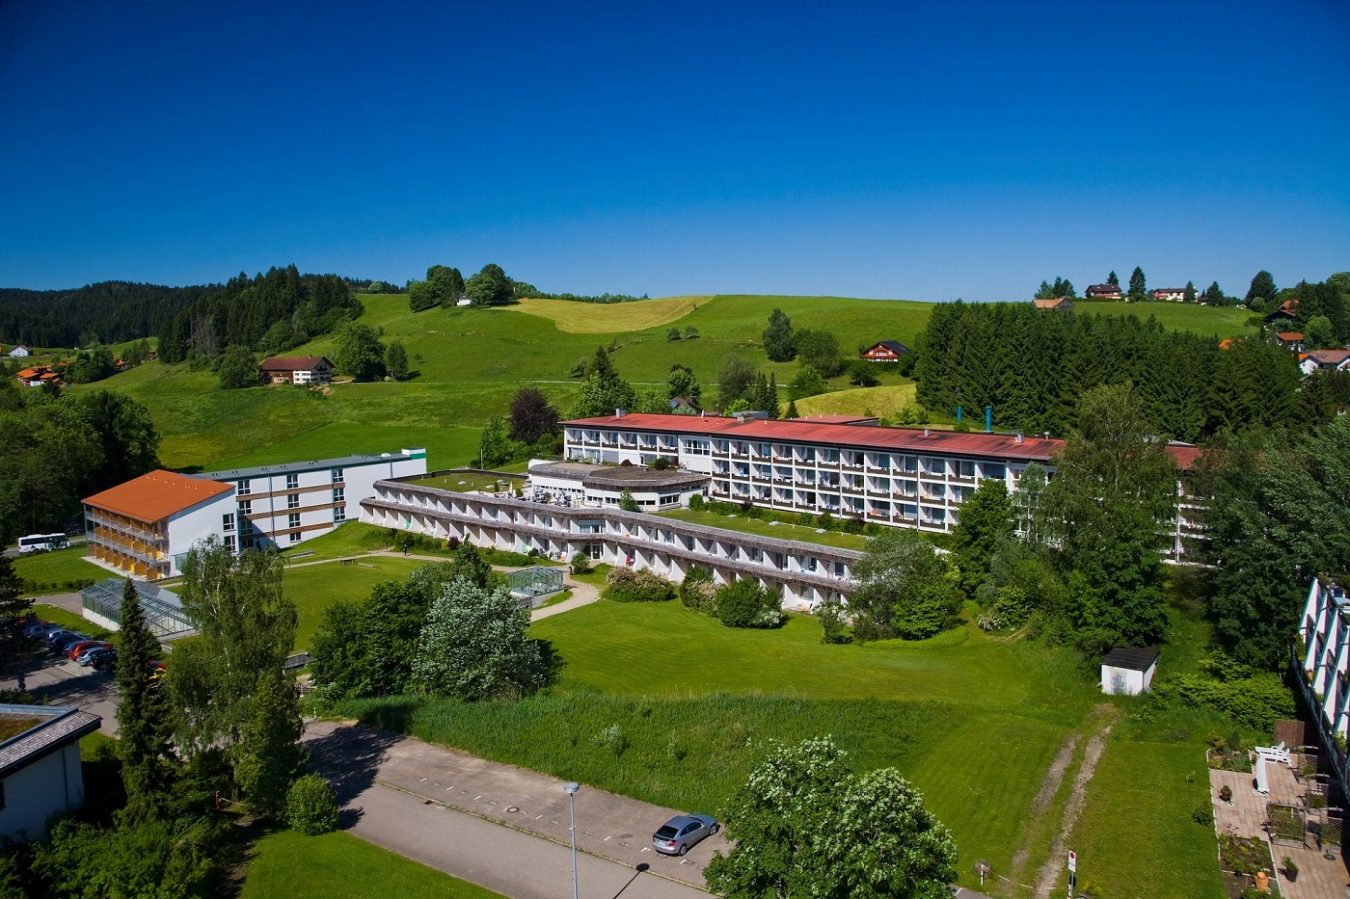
(70, 621)
(462, 482)
(314, 588)
(56, 572)
(885, 400)
(341, 866)
(350, 539)
(762, 528)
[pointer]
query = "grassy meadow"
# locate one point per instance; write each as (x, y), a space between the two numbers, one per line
(1225, 321)
(341, 866)
(880, 401)
(315, 587)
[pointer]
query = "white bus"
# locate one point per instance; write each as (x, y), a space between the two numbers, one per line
(38, 543)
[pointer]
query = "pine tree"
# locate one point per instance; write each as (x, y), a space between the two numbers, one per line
(1138, 287)
(1113, 280)
(142, 713)
(771, 396)
(792, 410)
(14, 610)
(1189, 295)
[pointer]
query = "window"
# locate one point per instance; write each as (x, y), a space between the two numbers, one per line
(292, 481)
(295, 536)
(339, 514)
(293, 520)
(229, 542)
(339, 495)
(245, 507)
(293, 501)
(227, 522)
(337, 475)
(244, 488)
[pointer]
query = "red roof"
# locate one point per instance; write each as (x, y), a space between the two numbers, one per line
(293, 363)
(957, 443)
(1330, 358)
(157, 495)
(839, 419)
(1290, 336)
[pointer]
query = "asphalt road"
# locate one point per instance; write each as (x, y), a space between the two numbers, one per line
(503, 827)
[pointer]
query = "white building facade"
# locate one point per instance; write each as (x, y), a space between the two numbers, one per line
(907, 477)
(1324, 637)
(40, 773)
(807, 574)
(278, 506)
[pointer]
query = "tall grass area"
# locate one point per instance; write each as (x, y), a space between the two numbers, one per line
(341, 866)
(973, 721)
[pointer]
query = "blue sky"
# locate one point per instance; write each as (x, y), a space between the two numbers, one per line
(890, 150)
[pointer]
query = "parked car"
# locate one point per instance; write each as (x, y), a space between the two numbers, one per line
(63, 643)
(57, 634)
(103, 660)
(83, 649)
(679, 833)
(75, 650)
(92, 658)
(39, 630)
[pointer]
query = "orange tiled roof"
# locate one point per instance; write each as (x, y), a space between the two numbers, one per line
(157, 495)
(1290, 336)
(1226, 343)
(28, 373)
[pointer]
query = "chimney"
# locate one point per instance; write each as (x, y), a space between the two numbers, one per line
(1018, 438)
(926, 432)
(618, 413)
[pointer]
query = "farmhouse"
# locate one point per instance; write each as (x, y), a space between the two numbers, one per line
(37, 375)
(1129, 671)
(40, 773)
(19, 352)
(1325, 360)
(1169, 294)
(1324, 666)
(1055, 304)
(885, 351)
(908, 477)
(1287, 312)
(1290, 340)
(306, 370)
(144, 526)
(1103, 292)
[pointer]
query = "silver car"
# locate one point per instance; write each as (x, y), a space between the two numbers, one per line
(679, 833)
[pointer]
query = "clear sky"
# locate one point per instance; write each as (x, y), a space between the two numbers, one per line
(901, 149)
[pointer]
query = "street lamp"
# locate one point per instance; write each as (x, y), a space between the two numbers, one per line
(571, 790)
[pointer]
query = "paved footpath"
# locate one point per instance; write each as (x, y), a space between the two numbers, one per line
(503, 827)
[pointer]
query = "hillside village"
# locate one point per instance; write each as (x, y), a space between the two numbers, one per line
(738, 505)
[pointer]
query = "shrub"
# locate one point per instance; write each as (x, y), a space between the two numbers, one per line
(662, 464)
(627, 585)
(452, 543)
(698, 592)
(696, 502)
(1203, 814)
(310, 806)
(825, 521)
(744, 603)
(581, 564)
(614, 739)
(1254, 701)
(1226, 793)
(832, 624)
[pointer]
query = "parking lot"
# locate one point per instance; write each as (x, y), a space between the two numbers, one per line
(58, 681)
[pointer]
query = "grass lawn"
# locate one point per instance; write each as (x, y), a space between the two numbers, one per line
(605, 318)
(338, 865)
(56, 572)
(349, 539)
(881, 401)
(314, 588)
(462, 482)
(762, 528)
(1203, 320)
(70, 621)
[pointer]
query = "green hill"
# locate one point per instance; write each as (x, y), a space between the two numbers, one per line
(468, 362)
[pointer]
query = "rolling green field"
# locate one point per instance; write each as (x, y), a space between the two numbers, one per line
(886, 400)
(468, 362)
(341, 866)
(1204, 320)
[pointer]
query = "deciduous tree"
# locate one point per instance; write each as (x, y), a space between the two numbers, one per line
(734, 381)
(268, 753)
(359, 352)
(1262, 288)
(237, 368)
(602, 390)
(905, 589)
(683, 382)
(396, 361)
(490, 287)
(777, 337)
(532, 416)
(986, 523)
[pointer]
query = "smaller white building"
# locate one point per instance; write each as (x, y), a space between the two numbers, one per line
(583, 484)
(40, 772)
(19, 352)
(1128, 671)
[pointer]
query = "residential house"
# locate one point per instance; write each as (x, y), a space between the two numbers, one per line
(1287, 312)
(1104, 292)
(37, 376)
(885, 351)
(1169, 294)
(40, 771)
(1290, 340)
(1226, 343)
(1325, 360)
(303, 370)
(1056, 304)
(19, 352)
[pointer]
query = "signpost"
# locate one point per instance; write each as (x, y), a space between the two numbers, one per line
(1073, 873)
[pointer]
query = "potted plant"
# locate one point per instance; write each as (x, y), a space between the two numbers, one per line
(1290, 869)
(1226, 793)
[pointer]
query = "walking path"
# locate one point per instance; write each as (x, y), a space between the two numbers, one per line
(503, 827)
